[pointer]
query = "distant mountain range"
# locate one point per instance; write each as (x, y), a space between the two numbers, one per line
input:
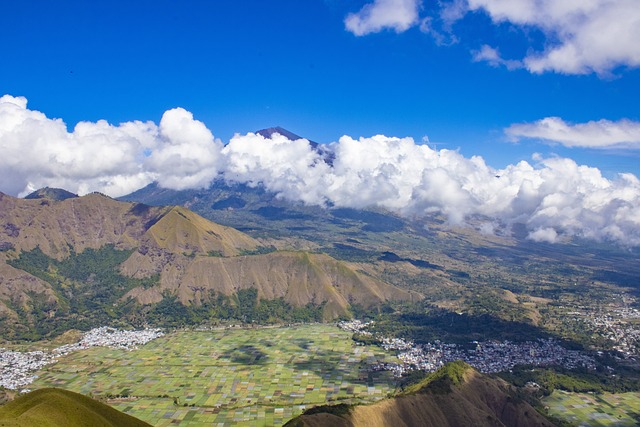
(192, 246)
(463, 269)
(64, 261)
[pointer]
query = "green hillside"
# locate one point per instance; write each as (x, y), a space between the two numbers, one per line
(52, 407)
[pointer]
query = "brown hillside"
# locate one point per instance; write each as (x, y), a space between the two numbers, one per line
(298, 277)
(182, 231)
(95, 220)
(85, 222)
(478, 400)
(16, 286)
(190, 254)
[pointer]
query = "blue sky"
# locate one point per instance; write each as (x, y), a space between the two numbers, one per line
(239, 66)
(112, 95)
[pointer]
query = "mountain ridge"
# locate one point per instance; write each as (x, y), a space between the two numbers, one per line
(454, 396)
(169, 252)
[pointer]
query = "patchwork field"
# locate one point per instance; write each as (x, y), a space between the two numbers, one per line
(595, 409)
(249, 377)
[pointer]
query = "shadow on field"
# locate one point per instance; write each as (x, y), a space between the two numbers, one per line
(451, 327)
(246, 355)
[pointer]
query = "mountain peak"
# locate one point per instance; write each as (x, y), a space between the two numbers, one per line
(53, 194)
(328, 156)
(269, 132)
(453, 374)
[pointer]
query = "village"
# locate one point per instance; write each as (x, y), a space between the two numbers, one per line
(617, 323)
(16, 368)
(487, 356)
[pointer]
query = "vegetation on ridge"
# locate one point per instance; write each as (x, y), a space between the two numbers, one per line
(52, 407)
(441, 381)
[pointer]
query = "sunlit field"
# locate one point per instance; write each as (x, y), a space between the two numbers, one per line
(587, 409)
(262, 376)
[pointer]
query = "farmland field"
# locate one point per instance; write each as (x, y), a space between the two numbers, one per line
(262, 376)
(587, 409)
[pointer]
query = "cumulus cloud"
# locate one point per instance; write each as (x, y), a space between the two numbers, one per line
(594, 134)
(185, 154)
(38, 151)
(579, 37)
(398, 15)
(548, 235)
(555, 198)
(291, 169)
(582, 37)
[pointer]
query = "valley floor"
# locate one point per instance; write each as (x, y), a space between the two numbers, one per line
(253, 376)
(262, 376)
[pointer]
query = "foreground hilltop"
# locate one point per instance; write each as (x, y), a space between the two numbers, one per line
(61, 259)
(454, 396)
(53, 407)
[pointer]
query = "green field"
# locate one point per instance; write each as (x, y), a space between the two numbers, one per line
(587, 409)
(252, 377)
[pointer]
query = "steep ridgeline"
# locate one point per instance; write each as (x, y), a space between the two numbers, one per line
(60, 259)
(455, 396)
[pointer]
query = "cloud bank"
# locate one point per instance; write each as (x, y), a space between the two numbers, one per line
(556, 198)
(38, 151)
(594, 134)
(580, 37)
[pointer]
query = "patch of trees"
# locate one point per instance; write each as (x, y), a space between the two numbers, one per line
(422, 322)
(579, 381)
(90, 291)
(260, 250)
(244, 307)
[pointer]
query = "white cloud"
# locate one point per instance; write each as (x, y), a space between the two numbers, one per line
(38, 151)
(555, 198)
(492, 56)
(185, 154)
(548, 235)
(291, 169)
(579, 36)
(594, 134)
(582, 36)
(398, 15)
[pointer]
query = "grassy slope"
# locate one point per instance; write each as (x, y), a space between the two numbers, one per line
(455, 395)
(52, 407)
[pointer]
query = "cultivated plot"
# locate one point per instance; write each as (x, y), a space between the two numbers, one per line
(587, 409)
(262, 376)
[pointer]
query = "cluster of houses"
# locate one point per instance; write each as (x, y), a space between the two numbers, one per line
(111, 337)
(17, 368)
(619, 325)
(487, 356)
